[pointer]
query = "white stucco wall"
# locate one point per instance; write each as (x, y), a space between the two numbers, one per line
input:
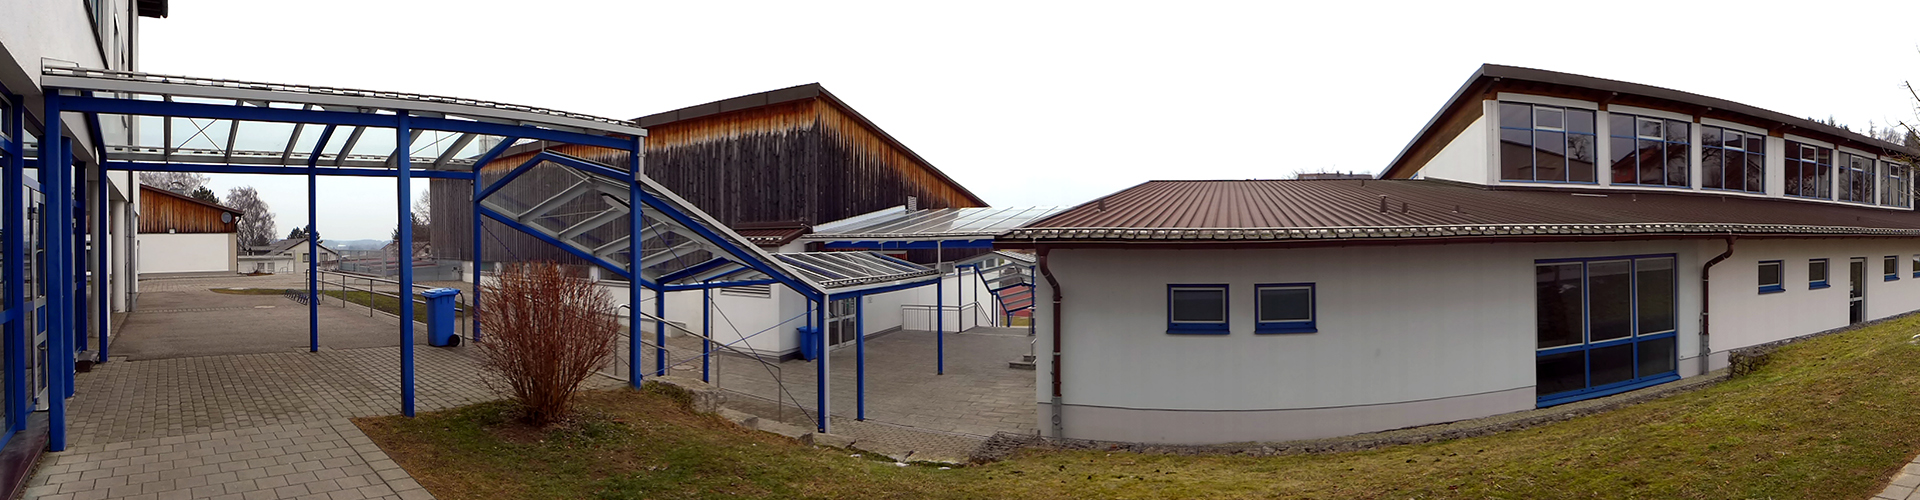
(1408, 335)
(1465, 158)
(181, 253)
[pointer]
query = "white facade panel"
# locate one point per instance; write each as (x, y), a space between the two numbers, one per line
(1465, 159)
(1406, 334)
(186, 253)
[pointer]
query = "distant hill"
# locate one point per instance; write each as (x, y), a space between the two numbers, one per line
(345, 245)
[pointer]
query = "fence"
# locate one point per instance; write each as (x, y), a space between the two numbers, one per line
(377, 288)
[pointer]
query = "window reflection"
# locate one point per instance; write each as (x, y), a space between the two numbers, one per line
(1734, 160)
(1546, 143)
(1650, 151)
(1809, 170)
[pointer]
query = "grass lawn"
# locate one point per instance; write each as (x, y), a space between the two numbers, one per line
(1830, 418)
(384, 303)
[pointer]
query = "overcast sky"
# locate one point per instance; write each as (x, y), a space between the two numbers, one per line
(1030, 103)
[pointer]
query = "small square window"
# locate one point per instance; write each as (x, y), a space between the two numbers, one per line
(1770, 277)
(1197, 309)
(1916, 265)
(1284, 308)
(1817, 273)
(1890, 268)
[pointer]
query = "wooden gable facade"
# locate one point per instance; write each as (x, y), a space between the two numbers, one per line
(794, 154)
(163, 211)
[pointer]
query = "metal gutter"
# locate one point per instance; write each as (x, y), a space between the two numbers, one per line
(1054, 284)
(1706, 291)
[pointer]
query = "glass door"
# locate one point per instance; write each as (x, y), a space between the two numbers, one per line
(1857, 290)
(840, 326)
(36, 300)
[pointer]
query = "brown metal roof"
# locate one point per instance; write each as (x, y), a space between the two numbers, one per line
(1276, 210)
(1467, 100)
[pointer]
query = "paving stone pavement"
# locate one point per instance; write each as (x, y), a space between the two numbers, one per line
(1904, 483)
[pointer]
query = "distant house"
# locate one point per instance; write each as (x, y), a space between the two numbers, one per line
(180, 234)
(285, 256)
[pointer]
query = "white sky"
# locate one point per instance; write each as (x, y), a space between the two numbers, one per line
(1029, 103)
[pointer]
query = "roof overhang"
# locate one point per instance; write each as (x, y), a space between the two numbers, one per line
(897, 228)
(1489, 77)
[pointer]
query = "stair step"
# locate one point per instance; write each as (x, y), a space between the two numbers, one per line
(1020, 365)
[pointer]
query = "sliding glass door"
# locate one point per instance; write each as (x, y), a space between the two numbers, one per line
(1603, 326)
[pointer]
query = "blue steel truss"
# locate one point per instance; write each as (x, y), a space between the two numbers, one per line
(733, 261)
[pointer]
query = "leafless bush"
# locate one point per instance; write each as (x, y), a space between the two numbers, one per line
(545, 333)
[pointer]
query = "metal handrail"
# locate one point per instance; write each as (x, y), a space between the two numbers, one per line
(321, 283)
(772, 369)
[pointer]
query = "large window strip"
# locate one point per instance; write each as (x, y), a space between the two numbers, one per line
(1809, 171)
(1603, 325)
(1650, 151)
(1896, 181)
(1856, 178)
(1733, 159)
(1541, 143)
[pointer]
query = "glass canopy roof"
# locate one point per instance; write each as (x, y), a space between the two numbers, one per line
(898, 223)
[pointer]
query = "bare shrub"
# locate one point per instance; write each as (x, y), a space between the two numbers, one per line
(545, 333)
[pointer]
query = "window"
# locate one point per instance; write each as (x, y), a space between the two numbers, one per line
(1546, 143)
(1809, 171)
(1603, 326)
(1916, 265)
(1649, 151)
(1890, 268)
(1897, 182)
(1770, 277)
(1856, 178)
(1284, 308)
(1197, 309)
(1817, 273)
(1733, 160)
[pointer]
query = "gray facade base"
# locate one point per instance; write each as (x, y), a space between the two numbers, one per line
(1157, 426)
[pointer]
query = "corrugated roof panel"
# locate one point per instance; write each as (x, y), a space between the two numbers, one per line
(1278, 206)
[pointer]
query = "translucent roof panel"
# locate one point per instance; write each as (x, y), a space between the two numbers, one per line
(835, 270)
(930, 224)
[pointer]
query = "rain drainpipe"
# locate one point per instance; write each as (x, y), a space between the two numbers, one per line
(1054, 284)
(1706, 291)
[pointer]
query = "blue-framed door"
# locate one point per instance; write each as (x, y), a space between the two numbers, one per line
(1604, 325)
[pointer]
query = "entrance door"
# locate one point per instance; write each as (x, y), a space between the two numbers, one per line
(840, 318)
(1857, 290)
(35, 301)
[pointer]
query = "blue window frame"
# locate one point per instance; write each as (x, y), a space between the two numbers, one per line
(1890, 268)
(1817, 273)
(1916, 265)
(1546, 143)
(1603, 326)
(1197, 309)
(1809, 171)
(1650, 151)
(1770, 276)
(1285, 308)
(1733, 160)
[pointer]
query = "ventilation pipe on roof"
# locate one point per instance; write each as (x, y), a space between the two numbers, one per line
(1054, 285)
(1706, 292)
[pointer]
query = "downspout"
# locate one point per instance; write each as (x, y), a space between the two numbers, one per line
(1706, 292)
(1054, 284)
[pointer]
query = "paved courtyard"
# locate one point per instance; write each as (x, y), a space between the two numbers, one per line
(979, 394)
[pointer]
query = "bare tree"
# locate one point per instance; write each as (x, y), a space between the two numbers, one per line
(256, 222)
(546, 333)
(178, 182)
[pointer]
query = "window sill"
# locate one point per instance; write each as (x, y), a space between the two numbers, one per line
(1285, 328)
(1772, 289)
(1890, 278)
(1817, 286)
(1220, 329)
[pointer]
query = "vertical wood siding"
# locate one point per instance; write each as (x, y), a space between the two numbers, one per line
(159, 213)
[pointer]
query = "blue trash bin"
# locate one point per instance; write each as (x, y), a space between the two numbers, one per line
(809, 343)
(440, 317)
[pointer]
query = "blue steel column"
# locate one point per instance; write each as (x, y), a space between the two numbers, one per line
(18, 390)
(473, 302)
(660, 329)
(706, 334)
(51, 158)
(313, 240)
(403, 156)
(939, 314)
(859, 358)
(100, 288)
(636, 216)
